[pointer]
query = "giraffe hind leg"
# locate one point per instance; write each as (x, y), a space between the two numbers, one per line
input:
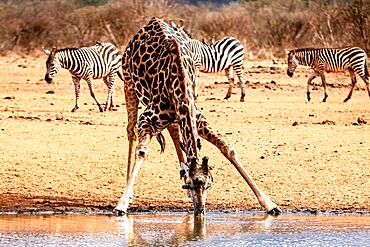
(174, 131)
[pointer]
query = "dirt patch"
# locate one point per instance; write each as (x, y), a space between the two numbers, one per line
(52, 159)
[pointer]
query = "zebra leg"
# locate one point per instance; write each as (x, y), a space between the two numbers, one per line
(76, 81)
(229, 152)
(309, 84)
(323, 80)
(230, 78)
(353, 83)
(92, 93)
(109, 81)
(366, 80)
(195, 84)
(239, 73)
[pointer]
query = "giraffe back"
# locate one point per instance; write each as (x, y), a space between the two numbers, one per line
(160, 65)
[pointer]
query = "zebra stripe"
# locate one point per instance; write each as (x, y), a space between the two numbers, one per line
(334, 60)
(223, 54)
(102, 60)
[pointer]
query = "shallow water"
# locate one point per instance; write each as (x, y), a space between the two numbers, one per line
(180, 229)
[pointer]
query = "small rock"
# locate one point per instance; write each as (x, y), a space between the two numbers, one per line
(50, 92)
(295, 123)
(9, 97)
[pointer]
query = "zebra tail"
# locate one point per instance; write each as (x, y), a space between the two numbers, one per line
(120, 75)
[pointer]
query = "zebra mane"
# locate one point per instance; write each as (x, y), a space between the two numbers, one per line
(314, 49)
(187, 33)
(68, 49)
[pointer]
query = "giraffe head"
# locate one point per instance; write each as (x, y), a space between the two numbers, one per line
(292, 62)
(52, 65)
(198, 181)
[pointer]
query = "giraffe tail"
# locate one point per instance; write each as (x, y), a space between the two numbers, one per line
(161, 141)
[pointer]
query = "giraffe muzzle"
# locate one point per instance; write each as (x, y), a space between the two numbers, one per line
(199, 211)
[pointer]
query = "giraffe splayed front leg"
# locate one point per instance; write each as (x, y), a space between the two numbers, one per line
(229, 152)
(142, 152)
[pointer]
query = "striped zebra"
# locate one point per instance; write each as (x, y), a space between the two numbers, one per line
(323, 60)
(102, 60)
(225, 54)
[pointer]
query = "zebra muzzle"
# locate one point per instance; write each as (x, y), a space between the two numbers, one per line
(48, 79)
(290, 74)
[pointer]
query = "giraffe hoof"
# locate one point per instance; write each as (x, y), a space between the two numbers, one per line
(120, 212)
(275, 211)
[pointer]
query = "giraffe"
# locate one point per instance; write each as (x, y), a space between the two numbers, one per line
(159, 72)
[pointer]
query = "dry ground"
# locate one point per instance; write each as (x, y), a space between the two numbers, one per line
(305, 155)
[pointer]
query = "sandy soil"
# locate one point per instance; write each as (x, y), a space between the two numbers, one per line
(305, 155)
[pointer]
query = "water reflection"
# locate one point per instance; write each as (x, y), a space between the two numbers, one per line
(178, 229)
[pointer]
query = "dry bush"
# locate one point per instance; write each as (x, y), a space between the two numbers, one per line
(273, 25)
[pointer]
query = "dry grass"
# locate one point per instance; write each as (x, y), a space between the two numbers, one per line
(26, 26)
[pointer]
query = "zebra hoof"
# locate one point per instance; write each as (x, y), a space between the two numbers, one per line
(74, 109)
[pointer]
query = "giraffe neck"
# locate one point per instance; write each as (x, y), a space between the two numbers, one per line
(189, 131)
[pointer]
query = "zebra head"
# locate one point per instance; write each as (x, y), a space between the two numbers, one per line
(199, 180)
(52, 65)
(292, 62)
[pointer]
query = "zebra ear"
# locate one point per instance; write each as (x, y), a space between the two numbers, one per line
(54, 50)
(47, 52)
(287, 51)
(181, 23)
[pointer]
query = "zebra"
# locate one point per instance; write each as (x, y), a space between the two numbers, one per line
(102, 60)
(225, 54)
(323, 60)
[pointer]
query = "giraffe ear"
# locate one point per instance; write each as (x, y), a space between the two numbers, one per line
(181, 23)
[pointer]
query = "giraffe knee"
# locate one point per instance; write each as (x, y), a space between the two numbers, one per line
(142, 151)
